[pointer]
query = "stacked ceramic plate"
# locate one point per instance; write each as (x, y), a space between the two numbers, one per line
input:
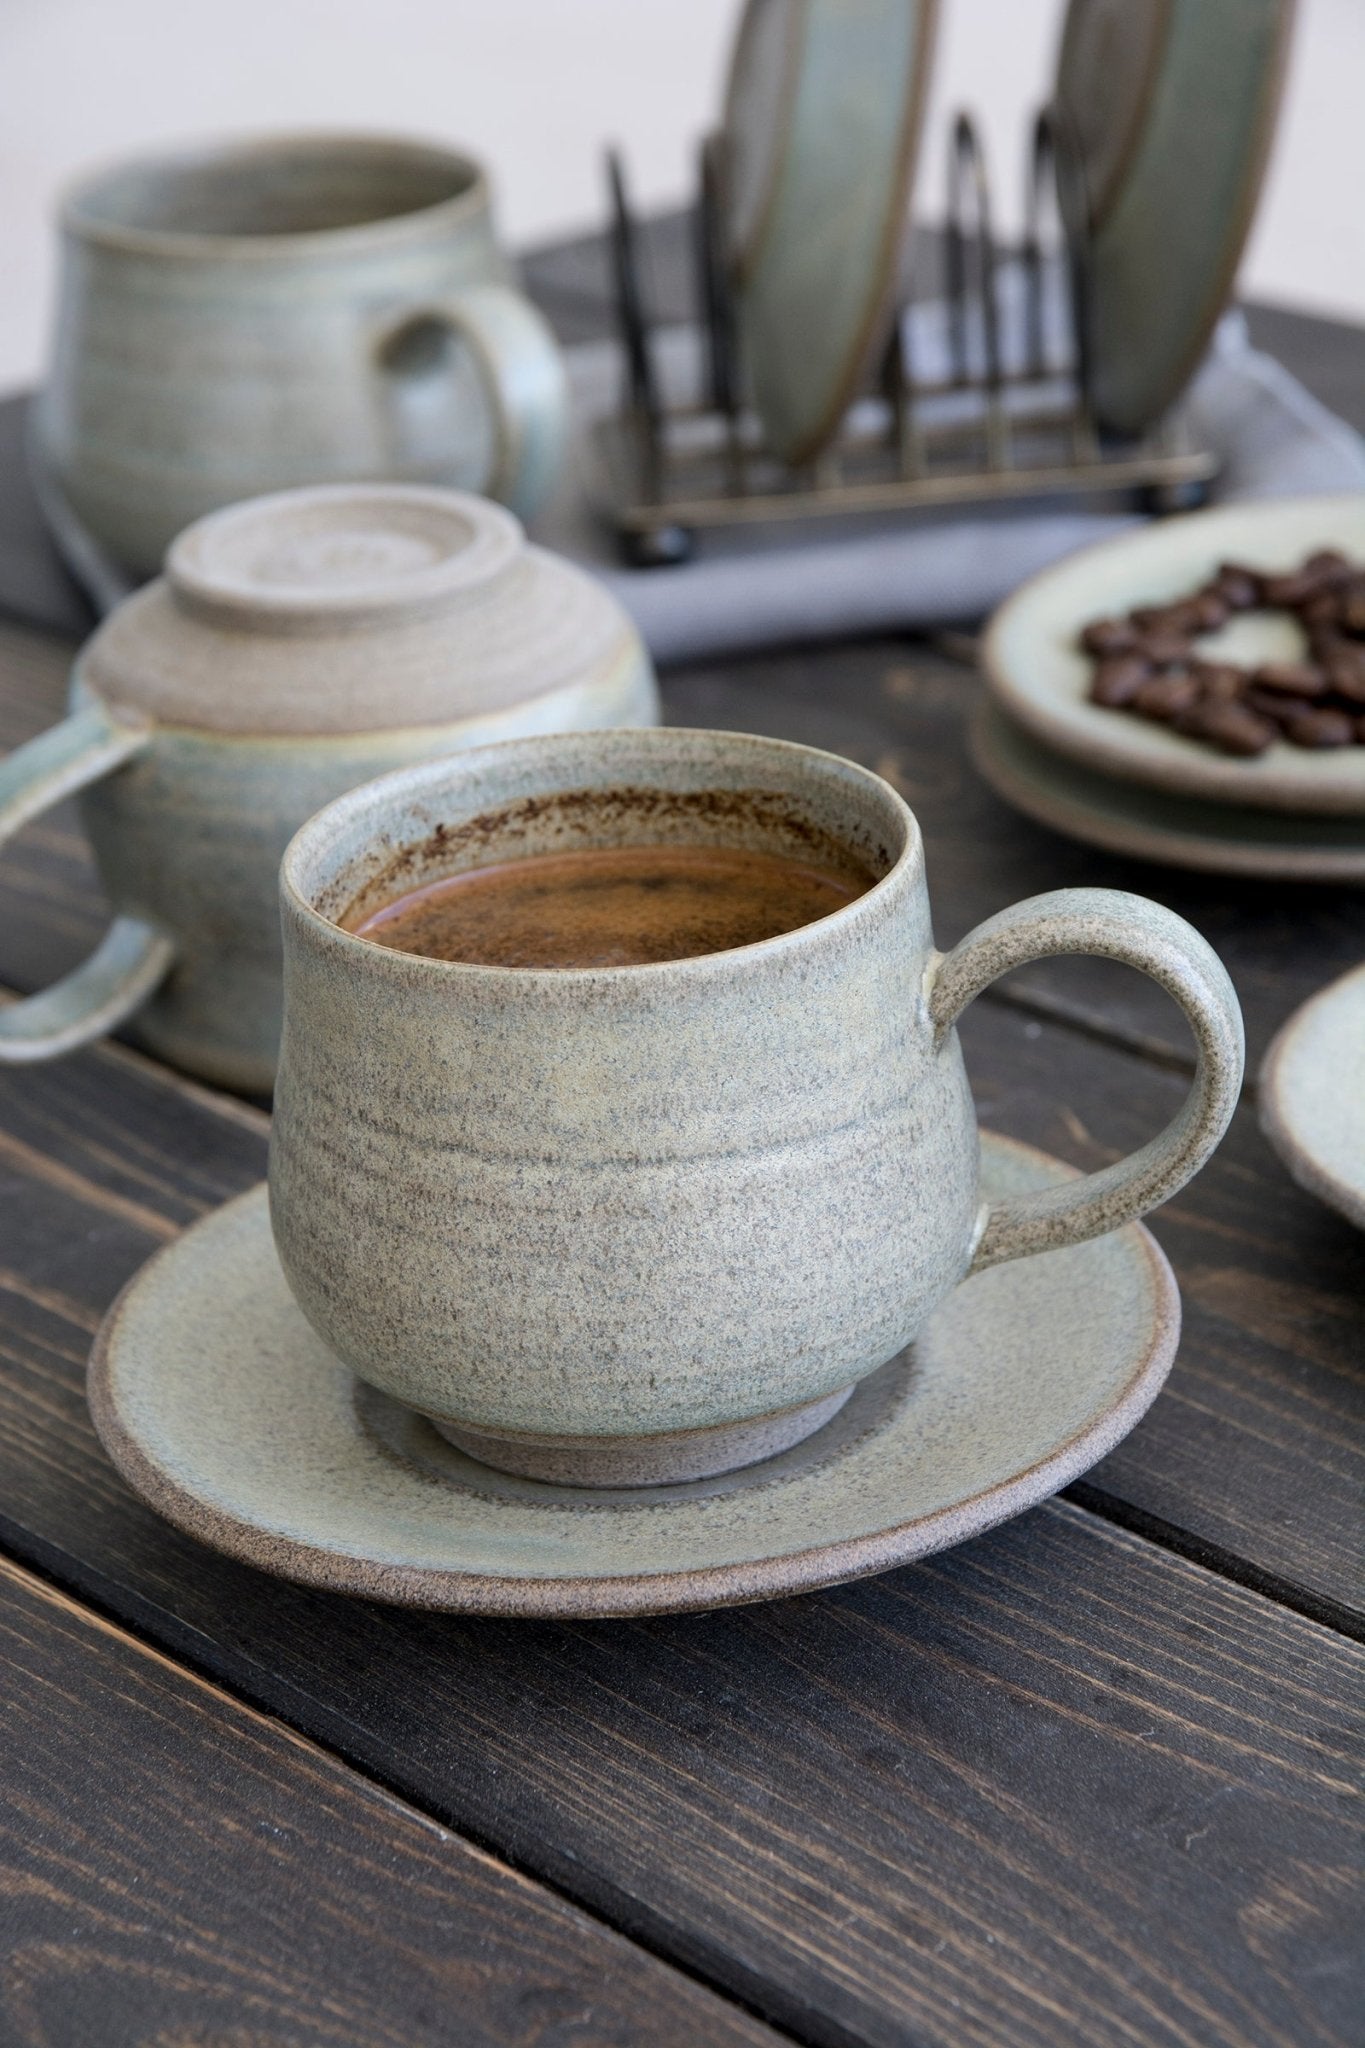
(1165, 110)
(1140, 788)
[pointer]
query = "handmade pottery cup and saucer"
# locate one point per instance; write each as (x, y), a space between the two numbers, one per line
(297, 645)
(600, 1289)
(283, 311)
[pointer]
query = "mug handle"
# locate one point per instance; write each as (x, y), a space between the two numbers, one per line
(523, 378)
(1116, 926)
(133, 956)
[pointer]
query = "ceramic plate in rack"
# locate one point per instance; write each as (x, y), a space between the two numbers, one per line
(1149, 824)
(821, 129)
(227, 1413)
(1171, 106)
(1041, 678)
(1312, 1095)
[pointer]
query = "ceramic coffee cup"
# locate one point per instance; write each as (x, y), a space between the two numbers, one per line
(298, 310)
(631, 1225)
(296, 646)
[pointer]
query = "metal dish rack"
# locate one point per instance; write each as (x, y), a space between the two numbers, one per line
(990, 433)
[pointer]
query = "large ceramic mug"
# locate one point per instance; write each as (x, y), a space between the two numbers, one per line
(296, 646)
(309, 309)
(646, 1223)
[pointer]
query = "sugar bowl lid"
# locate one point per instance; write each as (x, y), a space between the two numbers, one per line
(353, 608)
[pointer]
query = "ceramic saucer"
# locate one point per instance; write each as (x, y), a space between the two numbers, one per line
(226, 1413)
(1042, 679)
(1312, 1095)
(821, 127)
(1170, 106)
(1147, 824)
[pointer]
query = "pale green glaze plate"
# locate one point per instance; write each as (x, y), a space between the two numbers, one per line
(1312, 1095)
(1172, 106)
(1148, 824)
(1042, 679)
(226, 1413)
(821, 130)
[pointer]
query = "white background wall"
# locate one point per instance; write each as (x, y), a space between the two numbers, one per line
(537, 86)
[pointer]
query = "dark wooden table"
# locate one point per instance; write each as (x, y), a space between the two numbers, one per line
(1093, 1779)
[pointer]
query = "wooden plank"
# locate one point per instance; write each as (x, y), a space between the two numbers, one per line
(1055, 1788)
(52, 909)
(176, 1867)
(1255, 1452)
(35, 669)
(34, 585)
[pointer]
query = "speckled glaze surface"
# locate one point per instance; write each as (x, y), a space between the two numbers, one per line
(1041, 678)
(246, 317)
(649, 1201)
(1152, 824)
(297, 646)
(1172, 107)
(821, 130)
(226, 1412)
(1312, 1095)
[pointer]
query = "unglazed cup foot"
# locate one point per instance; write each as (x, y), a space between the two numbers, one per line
(663, 1460)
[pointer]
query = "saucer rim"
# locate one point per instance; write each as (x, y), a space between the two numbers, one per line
(1295, 1152)
(601, 1596)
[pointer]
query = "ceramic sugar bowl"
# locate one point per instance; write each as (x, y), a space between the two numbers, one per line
(297, 645)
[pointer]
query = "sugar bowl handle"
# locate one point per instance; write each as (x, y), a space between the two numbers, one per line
(133, 956)
(520, 370)
(1116, 926)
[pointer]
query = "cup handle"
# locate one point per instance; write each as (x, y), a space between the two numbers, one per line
(1117, 926)
(522, 374)
(133, 956)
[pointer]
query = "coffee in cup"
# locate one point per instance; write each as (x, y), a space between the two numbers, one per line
(619, 906)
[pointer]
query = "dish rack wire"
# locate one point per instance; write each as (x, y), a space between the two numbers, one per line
(993, 431)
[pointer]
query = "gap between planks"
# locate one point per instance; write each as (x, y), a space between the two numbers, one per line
(28, 1573)
(1214, 1558)
(85, 1602)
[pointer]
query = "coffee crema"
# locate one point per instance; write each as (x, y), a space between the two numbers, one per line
(620, 906)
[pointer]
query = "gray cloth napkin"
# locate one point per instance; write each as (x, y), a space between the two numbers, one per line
(751, 587)
(765, 585)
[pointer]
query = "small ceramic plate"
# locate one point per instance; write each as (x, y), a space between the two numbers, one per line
(1312, 1095)
(226, 1413)
(1176, 831)
(1171, 107)
(821, 129)
(1041, 677)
